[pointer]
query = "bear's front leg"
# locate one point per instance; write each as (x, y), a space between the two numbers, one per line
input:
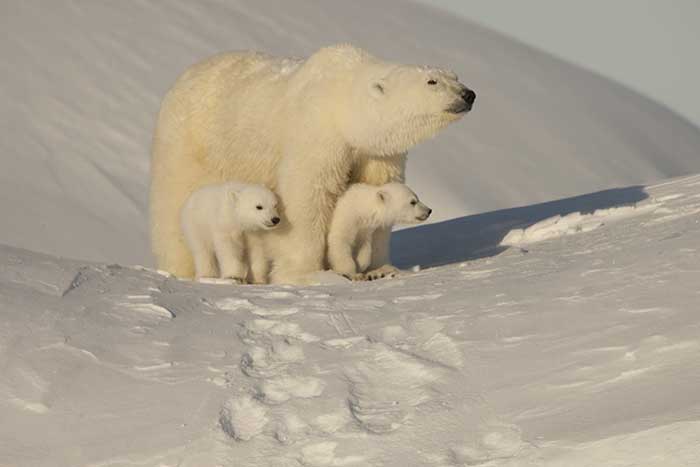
(309, 184)
(340, 257)
(204, 263)
(257, 259)
(364, 254)
(297, 257)
(381, 266)
(229, 253)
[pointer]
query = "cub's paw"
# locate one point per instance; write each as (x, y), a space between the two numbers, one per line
(235, 280)
(357, 276)
(387, 271)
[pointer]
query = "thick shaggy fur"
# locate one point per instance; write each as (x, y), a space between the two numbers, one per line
(303, 128)
(215, 220)
(359, 213)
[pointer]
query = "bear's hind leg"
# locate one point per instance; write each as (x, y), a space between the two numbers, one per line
(297, 259)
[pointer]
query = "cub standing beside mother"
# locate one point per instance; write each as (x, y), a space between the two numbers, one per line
(305, 129)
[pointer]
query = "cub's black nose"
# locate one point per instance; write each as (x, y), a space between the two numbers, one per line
(430, 211)
(469, 96)
(275, 220)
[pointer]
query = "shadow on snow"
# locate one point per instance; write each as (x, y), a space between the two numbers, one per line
(479, 235)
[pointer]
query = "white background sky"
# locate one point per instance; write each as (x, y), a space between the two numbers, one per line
(652, 46)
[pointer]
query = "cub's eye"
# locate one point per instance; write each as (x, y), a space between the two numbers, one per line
(432, 82)
(258, 207)
(414, 202)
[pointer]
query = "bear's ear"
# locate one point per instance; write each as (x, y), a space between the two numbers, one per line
(232, 195)
(377, 89)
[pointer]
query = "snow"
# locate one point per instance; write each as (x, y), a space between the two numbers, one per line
(556, 334)
(572, 223)
(81, 85)
(579, 349)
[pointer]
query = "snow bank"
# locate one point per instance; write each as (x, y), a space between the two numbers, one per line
(576, 351)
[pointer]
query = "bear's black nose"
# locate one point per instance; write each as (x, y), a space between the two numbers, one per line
(430, 211)
(275, 220)
(469, 96)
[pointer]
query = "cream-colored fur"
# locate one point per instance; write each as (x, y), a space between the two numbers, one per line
(215, 220)
(359, 213)
(303, 128)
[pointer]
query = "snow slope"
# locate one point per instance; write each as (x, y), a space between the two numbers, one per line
(81, 82)
(577, 349)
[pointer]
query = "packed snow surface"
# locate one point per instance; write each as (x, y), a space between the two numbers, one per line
(580, 349)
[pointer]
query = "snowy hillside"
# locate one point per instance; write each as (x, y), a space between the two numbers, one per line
(81, 82)
(556, 334)
(576, 347)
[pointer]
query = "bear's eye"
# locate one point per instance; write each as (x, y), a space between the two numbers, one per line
(432, 82)
(414, 202)
(258, 207)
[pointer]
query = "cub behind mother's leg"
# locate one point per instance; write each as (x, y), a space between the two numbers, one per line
(360, 212)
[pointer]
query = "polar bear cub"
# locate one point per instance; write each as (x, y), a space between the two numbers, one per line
(360, 211)
(215, 221)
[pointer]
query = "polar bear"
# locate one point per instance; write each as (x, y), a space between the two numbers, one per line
(303, 128)
(215, 220)
(359, 213)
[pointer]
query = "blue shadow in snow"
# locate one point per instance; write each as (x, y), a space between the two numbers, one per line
(479, 235)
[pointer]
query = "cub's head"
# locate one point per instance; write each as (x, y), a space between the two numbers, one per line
(256, 208)
(390, 107)
(401, 205)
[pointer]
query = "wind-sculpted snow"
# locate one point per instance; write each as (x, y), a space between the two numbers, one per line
(573, 351)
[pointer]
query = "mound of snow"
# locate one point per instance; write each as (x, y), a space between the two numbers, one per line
(573, 352)
(572, 223)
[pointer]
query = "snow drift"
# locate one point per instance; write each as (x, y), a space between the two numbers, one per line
(579, 350)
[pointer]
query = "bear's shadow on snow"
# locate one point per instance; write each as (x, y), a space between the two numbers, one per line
(479, 235)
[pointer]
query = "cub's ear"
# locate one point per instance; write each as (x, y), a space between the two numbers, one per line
(382, 195)
(377, 89)
(232, 195)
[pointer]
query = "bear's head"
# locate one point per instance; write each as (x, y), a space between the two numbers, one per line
(256, 208)
(393, 107)
(400, 205)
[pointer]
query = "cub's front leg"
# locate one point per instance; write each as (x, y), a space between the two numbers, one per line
(230, 249)
(257, 259)
(340, 259)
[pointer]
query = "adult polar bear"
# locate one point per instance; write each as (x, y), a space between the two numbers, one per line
(305, 129)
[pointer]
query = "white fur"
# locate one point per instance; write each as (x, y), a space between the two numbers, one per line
(214, 221)
(360, 212)
(304, 128)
